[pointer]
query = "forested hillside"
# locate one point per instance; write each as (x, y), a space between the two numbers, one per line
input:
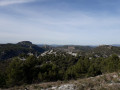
(26, 63)
(8, 51)
(53, 68)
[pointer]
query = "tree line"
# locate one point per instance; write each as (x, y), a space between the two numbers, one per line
(55, 67)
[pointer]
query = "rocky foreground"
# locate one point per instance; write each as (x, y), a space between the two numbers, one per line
(103, 82)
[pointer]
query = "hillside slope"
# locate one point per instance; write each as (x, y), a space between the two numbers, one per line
(12, 50)
(105, 51)
(110, 81)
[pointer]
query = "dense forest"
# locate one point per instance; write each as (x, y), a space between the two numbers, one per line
(26, 63)
(53, 68)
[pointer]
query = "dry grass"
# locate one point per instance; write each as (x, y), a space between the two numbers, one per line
(109, 81)
(104, 82)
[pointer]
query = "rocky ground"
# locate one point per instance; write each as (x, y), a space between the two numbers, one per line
(103, 82)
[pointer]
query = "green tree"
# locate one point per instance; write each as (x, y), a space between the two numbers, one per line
(15, 73)
(113, 64)
(29, 70)
(2, 80)
(94, 70)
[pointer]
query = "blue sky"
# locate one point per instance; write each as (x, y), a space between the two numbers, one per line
(80, 22)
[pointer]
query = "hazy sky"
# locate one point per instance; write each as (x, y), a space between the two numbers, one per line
(81, 22)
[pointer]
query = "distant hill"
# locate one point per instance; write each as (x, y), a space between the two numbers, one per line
(25, 47)
(74, 48)
(105, 50)
(100, 51)
(11, 50)
(117, 45)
